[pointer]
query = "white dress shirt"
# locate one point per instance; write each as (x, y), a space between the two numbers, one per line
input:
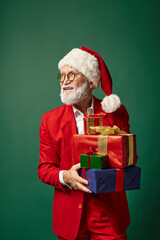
(80, 128)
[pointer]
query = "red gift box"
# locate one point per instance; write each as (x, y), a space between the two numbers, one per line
(93, 121)
(121, 149)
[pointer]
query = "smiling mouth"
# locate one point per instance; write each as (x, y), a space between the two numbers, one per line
(67, 88)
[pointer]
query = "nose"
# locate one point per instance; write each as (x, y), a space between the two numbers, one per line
(66, 80)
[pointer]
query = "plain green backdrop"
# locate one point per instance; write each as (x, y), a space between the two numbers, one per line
(34, 36)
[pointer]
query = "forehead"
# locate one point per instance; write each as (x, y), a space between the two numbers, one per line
(66, 69)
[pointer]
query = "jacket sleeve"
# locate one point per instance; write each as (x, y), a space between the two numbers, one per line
(49, 161)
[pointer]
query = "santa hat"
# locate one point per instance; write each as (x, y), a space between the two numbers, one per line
(93, 67)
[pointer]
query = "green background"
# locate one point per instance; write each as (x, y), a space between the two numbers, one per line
(34, 36)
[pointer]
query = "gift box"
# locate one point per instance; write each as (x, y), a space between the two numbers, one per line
(93, 161)
(121, 149)
(112, 179)
(92, 121)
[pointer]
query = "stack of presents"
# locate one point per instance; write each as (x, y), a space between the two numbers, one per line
(107, 156)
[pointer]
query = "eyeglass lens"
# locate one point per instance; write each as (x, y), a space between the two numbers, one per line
(70, 76)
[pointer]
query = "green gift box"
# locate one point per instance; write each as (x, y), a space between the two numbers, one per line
(93, 161)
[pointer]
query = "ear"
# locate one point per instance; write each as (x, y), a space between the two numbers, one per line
(91, 85)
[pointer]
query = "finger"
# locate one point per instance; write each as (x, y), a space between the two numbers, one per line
(81, 187)
(76, 166)
(81, 180)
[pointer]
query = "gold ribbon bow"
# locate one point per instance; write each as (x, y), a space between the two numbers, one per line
(107, 130)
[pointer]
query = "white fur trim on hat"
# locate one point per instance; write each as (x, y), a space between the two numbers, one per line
(85, 63)
(111, 103)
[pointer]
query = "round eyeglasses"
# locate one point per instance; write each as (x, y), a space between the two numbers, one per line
(70, 76)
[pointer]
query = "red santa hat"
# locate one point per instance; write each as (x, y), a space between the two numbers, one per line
(90, 64)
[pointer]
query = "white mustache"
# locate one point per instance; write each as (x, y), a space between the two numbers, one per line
(68, 85)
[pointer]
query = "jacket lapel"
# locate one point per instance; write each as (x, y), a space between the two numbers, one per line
(68, 129)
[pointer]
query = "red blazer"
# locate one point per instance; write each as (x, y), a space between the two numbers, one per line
(56, 153)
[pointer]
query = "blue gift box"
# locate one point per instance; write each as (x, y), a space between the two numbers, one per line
(112, 179)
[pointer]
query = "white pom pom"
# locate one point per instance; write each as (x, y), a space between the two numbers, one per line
(111, 103)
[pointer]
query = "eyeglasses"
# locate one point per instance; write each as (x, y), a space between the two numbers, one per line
(70, 76)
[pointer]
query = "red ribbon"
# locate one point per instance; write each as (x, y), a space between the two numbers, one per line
(119, 180)
(89, 161)
(96, 121)
(84, 173)
(85, 126)
(93, 151)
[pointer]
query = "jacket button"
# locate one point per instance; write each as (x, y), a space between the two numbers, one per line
(80, 205)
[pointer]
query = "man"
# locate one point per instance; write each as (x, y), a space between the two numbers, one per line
(78, 213)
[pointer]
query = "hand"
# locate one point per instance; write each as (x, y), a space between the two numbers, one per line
(72, 178)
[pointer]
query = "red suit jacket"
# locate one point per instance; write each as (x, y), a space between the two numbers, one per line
(56, 153)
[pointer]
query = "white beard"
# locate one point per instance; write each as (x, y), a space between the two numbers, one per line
(76, 95)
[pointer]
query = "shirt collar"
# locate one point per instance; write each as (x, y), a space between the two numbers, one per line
(90, 110)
